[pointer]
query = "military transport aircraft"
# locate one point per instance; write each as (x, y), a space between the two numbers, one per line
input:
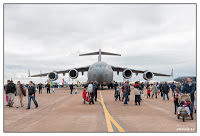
(100, 71)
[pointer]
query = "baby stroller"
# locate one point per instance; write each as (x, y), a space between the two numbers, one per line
(183, 112)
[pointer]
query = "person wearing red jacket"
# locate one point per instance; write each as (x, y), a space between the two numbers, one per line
(148, 93)
(84, 95)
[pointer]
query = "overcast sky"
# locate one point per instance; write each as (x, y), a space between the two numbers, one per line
(47, 37)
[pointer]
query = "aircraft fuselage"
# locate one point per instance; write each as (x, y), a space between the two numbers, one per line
(100, 72)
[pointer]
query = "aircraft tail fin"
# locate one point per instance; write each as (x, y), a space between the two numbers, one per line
(100, 53)
(172, 73)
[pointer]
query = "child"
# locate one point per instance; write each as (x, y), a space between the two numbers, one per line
(148, 92)
(176, 97)
(117, 94)
(137, 93)
(185, 104)
(84, 95)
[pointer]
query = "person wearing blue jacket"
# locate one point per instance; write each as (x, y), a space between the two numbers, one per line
(189, 88)
(165, 88)
(173, 87)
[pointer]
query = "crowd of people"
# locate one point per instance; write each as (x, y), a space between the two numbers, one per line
(122, 92)
(19, 91)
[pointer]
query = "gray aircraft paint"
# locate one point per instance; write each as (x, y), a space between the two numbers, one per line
(100, 72)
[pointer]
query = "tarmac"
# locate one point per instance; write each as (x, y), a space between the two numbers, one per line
(65, 112)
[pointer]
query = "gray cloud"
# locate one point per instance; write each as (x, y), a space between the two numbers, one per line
(50, 37)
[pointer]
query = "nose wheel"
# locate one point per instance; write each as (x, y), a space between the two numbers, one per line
(101, 86)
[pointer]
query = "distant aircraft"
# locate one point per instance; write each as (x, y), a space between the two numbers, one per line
(101, 71)
(179, 79)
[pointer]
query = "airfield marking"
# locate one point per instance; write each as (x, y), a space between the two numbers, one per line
(109, 118)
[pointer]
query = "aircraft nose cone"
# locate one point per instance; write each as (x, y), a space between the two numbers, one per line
(100, 75)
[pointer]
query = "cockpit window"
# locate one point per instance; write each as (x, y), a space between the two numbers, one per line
(100, 66)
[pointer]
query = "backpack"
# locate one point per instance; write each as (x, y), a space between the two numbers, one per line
(137, 91)
(10, 88)
(23, 89)
(90, 88)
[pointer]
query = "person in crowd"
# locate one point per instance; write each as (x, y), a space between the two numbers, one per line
(148, 92)
(10, 90)
(117, 94)
(185, 104)
(161, 90)
(31, 95)
(75, 86)
(189, 88)
(123, 91)
(157, 85)
(126, 92)
(165, 88)
(92, 87)
(142, 85)
(184, 82)
(95, 91)
(137, 90)
(48, 87)
(84, 95)
(19, 94)
(154, 90)
(6, 95)
(147, 85)
(142, 90)
(178, 88)
(173, 86)
(115, 87)
(71, 87)
(40, 88)
(176, 97)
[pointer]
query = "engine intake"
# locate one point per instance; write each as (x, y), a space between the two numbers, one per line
(52, 76)
(148, 75)
(73, 73)
(127, 73)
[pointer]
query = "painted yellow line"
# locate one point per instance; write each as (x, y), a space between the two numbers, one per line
(109, 126)
(109, 118)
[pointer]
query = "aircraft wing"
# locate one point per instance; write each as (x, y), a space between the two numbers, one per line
(81, 69)
(119, 69)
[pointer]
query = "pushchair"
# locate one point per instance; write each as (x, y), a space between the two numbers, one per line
(183, 112)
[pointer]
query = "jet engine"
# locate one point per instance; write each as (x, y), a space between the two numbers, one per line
(127, 73)
(73, 73)
(52, 76)
(148, 75)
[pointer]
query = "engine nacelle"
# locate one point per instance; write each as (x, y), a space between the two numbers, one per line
(73, 73)
(127, 73)
(148, 75)
(52, 76)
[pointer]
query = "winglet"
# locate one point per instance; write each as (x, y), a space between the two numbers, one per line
(172, 73)
(29, 73)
